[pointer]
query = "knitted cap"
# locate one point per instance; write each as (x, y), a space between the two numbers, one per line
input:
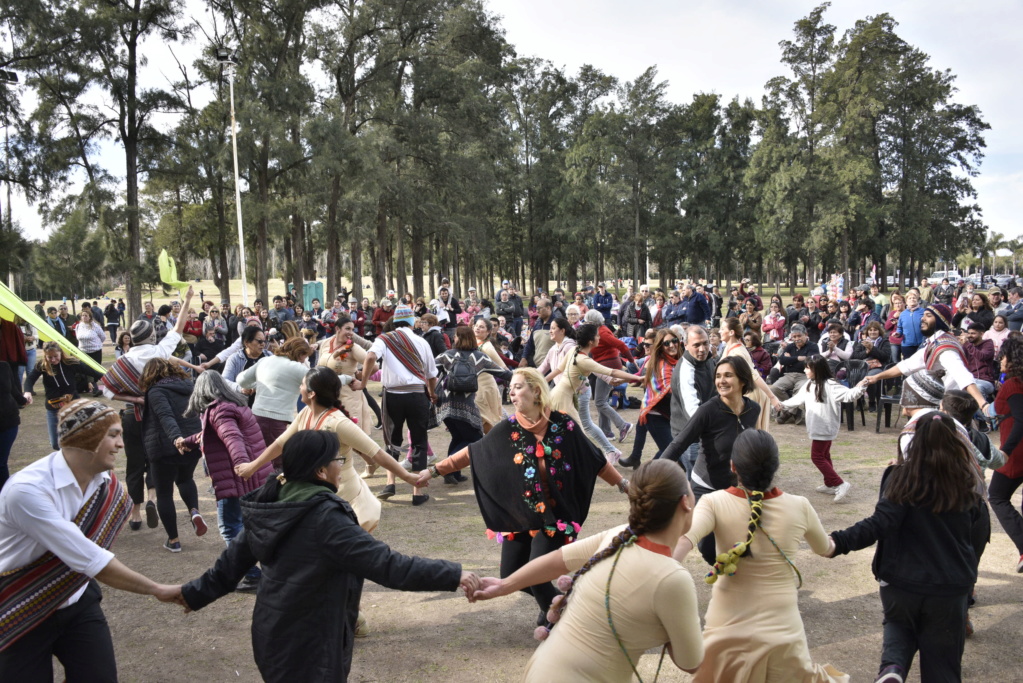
(922, 389)
(943, 314)
(403, 314)
(83, 423)
(142, 332)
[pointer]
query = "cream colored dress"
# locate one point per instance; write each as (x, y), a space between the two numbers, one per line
(762, 399)
(353, 401)
(653, 602)
(753, 631)
(353, 489)
(575, 369)
(488, 396)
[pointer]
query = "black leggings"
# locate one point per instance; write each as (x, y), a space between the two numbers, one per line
(518, 551)
(165, 476)
(462, 434)
(372, 402)
(136, 470)
(1001, 491)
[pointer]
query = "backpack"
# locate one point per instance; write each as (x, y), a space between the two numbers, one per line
(462, 377)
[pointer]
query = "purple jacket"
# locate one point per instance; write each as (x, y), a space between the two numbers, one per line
(230, 436)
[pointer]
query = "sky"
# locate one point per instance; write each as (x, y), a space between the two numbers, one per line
(730, 47)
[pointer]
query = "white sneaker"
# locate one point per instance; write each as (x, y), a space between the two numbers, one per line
(406, 465)
(842, 490)
(613, 456)
(830, 490)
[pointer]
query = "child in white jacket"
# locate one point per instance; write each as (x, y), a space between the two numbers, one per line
(821, 400)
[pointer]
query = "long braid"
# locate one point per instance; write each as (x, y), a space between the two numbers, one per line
(625, 538)
(728, 562)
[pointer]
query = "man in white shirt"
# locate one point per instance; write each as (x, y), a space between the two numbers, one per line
(58, 517)
(940, 350)
(145, 347)
(409, 376)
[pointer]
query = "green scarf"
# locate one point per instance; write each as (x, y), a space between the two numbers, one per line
(300, 491)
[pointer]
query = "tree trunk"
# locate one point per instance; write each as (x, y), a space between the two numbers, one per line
(379, 258)
(637, 241)
(401, 274)
(418, 287)
(333, 234)
(262, 225)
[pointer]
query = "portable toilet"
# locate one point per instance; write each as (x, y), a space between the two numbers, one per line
(312, 289)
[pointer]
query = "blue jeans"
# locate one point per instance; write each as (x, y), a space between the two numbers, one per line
(229, 519)
(51, 427)
(596, 436)
(25, 369)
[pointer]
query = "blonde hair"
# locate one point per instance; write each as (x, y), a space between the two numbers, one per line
(535, 381)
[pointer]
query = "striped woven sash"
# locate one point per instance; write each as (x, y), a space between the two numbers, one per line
(32, 593)
(122, 378)
(405, 352)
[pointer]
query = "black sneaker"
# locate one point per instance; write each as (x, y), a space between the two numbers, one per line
(152, 519)
(387, 492)
(890, 674)
(247, 585)
(450, 480)
(419, 500)
(174, 547)
(459, 477)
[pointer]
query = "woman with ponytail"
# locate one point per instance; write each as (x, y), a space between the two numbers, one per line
(320, 392)
(753, 631)
(626, 595)
(315, 558)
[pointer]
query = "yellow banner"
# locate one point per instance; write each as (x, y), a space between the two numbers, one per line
(11, 306)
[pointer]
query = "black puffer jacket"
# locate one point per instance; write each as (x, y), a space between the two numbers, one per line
(315, 557)
(162, 421)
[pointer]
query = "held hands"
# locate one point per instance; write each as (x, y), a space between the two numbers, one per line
(179, 443)
(422, 480)
(171, 594)
(489, 588)
(245, 471)
(28, 398)
(413, 479)
(355, 385)
(470, 584)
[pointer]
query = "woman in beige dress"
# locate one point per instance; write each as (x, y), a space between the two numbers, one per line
(753, 632)
(627, 594)
(344, 356)
(488, 396)
(571, 377)
(323, 410)
(731, 337)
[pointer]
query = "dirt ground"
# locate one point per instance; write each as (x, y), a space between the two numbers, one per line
(439, 636)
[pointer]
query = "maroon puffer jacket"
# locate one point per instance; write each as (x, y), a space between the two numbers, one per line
(230, 436)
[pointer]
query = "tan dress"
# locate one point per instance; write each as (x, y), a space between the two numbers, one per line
(762, 399)
(753, 631)
(488, 396)
(353, 401)
(353, 489)
(575, 369)
(653, 602)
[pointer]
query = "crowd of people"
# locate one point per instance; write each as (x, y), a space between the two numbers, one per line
(275, 403)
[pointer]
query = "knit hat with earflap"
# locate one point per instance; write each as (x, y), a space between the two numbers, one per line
(942, 315)
(83, 423)
(403, 314)
(923, 389)
(142, 332)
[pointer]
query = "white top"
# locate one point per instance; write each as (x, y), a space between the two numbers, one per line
(393, 373)
(276, 380)
(823, 419)
(37, 505)
(956, 374)
(140, 355)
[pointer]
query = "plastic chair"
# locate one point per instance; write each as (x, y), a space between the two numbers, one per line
(884, 402)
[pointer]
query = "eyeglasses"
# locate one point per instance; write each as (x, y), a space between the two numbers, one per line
(261, 342)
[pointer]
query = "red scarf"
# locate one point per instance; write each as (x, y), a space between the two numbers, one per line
(659, 385)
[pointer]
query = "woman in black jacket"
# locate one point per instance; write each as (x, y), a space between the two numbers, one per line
(930, 526)
(314, 557)
(60, 382)
(167, 390)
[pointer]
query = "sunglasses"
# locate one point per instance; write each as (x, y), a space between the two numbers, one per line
(670, 342)
(261, 342)
(648, 344)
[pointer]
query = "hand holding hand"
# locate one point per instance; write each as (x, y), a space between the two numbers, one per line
(489, 588)
(245, 471)
(423, 479)
(171, 594)
(413, 480)
(28, 397)
(469, 583)
(355, 385)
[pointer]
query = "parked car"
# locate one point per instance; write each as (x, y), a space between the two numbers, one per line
(1003, 280)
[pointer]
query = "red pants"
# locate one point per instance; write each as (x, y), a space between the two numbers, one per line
(820, 455)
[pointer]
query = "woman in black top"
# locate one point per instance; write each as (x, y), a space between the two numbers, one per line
(11, 400)
(716, 424)
(60, 382)
(168, 389)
